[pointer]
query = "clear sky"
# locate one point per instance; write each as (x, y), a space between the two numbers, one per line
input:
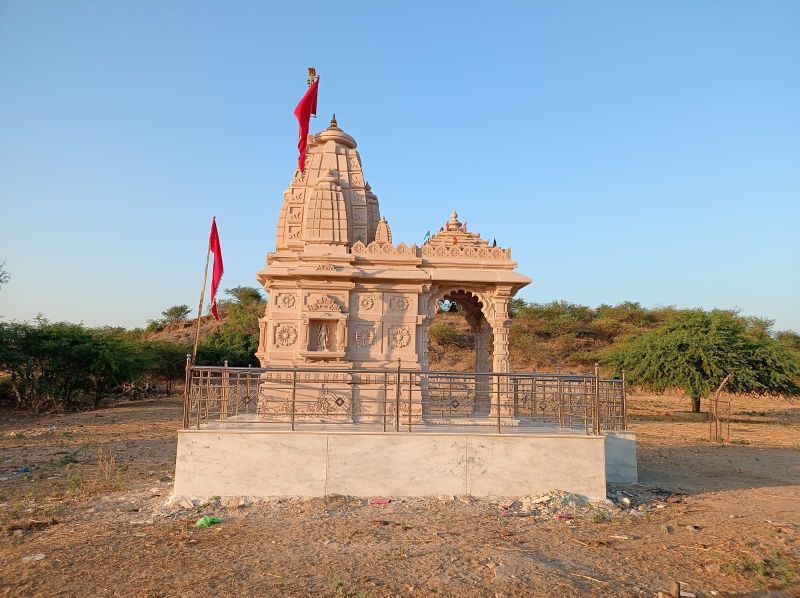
(625, 150)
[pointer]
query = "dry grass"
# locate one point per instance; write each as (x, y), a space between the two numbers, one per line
(106, 476)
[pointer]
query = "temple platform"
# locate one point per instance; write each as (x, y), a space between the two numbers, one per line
(268, 460)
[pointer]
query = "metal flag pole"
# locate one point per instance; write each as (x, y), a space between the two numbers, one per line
(200, 306)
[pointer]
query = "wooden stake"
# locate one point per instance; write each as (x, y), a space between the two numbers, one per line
(200, 307)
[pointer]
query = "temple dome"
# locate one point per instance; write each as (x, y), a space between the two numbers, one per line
(334, 133)
(328, 203)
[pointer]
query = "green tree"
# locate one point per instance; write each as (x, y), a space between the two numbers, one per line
(246, 296)
(51, 363)
(48, 362)
(694, 351)
(175, 314)
(166, 361)
(236, 339)
(788, 338)
(115, 360)
(515, 305)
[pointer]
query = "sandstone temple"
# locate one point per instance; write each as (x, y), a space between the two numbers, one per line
(343, 294)
(345, 403)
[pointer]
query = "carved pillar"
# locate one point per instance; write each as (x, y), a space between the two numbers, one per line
(500, 324)
(483, 334)
(262, 340)
(501, 394)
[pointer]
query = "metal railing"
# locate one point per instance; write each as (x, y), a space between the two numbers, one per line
(401, 400)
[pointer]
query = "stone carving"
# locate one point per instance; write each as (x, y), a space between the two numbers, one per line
(365, 337)
(367, 303)
(325, 303)
(484, 253)
(383, 234)
(399, 303)
(285, 335)
(378, 248)
(330, 218)
(286, 301)
(400, 337)
(322, 338)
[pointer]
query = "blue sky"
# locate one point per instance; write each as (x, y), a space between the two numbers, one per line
(625, 150)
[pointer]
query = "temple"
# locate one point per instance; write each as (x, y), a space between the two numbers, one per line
(343, 294)
(344, 401)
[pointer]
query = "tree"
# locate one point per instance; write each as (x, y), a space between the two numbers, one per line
(166, 361)
(236, 339)
(788, 338)
(51, 363)
(175, 314)
(246, 296)
(694, 351)
(115, 360)
(514, 305)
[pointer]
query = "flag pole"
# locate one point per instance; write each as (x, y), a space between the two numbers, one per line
(200, 306)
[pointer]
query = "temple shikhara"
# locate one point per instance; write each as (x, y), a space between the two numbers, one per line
(343, 293)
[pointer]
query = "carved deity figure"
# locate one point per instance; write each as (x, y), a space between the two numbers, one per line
(322, 338)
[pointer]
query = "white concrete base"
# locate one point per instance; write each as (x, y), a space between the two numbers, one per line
(283, 463)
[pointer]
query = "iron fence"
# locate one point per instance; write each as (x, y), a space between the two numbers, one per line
(401, 400)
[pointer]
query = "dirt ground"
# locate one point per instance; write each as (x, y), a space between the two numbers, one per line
(84, 512)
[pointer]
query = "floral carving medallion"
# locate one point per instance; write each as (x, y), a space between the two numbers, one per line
(400, 337)
(367, 303)
(365, 337)
(285, 335)
(400, 303)
(286, 301)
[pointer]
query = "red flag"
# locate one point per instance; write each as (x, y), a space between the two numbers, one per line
(214, 247)
(303, 112)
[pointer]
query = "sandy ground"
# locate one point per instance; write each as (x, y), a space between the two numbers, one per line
(711, 514)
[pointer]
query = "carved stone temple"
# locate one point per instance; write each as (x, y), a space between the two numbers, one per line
(344, 295)
(344, 342)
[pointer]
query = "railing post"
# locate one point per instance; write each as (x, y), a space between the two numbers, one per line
(597, 399)
(410, 392)
(385, 397)
(186, 391)
(498, 385)
(624, 403)
(294, 391)
(397, 400)
(226, 377)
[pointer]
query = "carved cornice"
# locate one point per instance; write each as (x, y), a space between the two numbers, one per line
(433, 251)
(376, 248)
(468, 253)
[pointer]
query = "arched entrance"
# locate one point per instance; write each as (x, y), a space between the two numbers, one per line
(468, 391)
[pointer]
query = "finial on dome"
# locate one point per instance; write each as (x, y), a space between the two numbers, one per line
(453, 224)
(334, 133)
